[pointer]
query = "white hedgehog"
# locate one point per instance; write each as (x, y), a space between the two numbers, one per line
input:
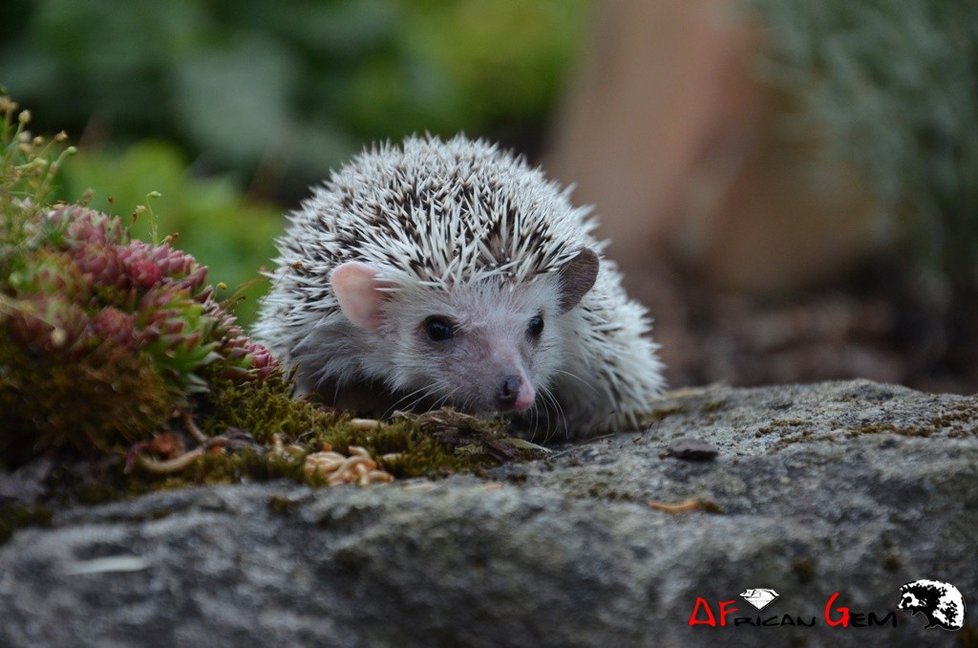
(453, 273)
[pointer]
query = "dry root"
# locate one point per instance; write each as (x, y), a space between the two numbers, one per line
(170, 446)
(191, 427)
(364, 424)
(170, 466)
(685, 506)
(359, 468)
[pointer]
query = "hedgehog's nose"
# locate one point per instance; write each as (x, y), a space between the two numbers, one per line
(514, 393)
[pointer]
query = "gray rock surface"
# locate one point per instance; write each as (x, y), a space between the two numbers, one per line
(848, 487)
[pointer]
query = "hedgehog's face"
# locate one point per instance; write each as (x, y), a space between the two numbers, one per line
(909, 601)
(481, 347)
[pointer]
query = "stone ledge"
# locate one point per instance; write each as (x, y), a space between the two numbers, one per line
(849, 487)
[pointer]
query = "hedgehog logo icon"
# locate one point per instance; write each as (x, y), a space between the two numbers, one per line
(941, 603)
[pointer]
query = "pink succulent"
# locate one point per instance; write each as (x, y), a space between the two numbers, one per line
(87, 225)
(102, 263)
(112, 325)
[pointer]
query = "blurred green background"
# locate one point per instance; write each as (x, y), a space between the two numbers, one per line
(231, 108)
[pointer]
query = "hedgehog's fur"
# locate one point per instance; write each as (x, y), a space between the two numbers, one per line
(463, 230)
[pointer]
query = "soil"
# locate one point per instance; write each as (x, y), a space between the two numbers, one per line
(886, 323)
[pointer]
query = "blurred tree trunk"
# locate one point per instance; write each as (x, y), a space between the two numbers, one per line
(668, 133)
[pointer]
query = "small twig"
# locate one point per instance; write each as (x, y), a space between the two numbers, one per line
(685, 506)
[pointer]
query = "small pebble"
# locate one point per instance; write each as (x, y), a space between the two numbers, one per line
(691, 450)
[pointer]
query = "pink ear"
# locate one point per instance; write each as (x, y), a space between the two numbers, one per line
(359, 293)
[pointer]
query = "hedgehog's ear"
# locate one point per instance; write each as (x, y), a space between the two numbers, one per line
(576, 278)
(360, 294)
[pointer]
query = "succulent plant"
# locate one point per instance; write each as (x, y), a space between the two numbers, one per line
(101, 337)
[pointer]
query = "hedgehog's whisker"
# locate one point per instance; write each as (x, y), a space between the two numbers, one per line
(558, 412)
(424, 391)
(576, 377)
(429, 391)
(534, 416)
(540, 414)
(543, 413)
(446, 397)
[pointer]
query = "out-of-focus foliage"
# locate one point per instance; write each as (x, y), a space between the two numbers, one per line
(893, 88)
(293, 86)
(277, 92)
(209, 217)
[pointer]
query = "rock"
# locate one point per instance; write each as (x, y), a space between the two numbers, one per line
(691, 450)
(852, 488)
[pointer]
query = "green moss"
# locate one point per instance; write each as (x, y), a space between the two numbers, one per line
(409, 447)
(789, 431)
(237, 466)
(786, 428)
(661, 413)
(609, 492)
(433, 444)
(788, 422)
(262, 408)
(883, 428)
(714, 406)
(103, 401)
(957, 420)
(790, 439)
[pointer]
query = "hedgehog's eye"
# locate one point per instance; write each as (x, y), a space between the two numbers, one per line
(535, 327)
(439, 329)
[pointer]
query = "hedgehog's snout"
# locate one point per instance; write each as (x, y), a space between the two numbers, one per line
(514, 393)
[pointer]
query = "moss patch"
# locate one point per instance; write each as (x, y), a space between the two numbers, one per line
(883, 428)
(661, 413)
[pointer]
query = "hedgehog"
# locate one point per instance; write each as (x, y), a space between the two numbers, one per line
(940, 602)
(452, 273)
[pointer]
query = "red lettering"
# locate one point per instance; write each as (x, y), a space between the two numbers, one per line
(702, 604)
(726, 609)
(842, 619)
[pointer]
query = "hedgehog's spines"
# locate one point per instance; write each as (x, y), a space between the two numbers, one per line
(434, 215)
